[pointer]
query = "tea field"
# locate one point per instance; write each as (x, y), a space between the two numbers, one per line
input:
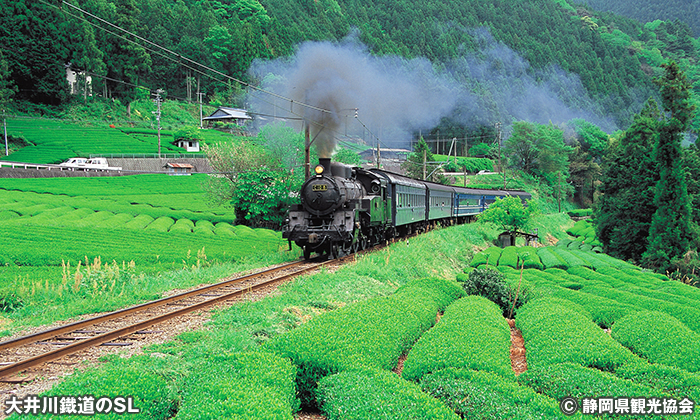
(66, 239)
(611, 336)
(55, 141)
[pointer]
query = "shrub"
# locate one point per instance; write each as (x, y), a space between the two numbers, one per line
(151, 392)
(491, 284)
(489, 256)
(509, 257)
(580, 212)
(660, 338)
(161, 224)
(252, 385)
(374, 394)
(551, 259)
(562, 380)
(471, 334)
(370, 333)
(558, 331)
(527, 257)
(484, 395)
(669, 379)
(140, 222)
(182, 226)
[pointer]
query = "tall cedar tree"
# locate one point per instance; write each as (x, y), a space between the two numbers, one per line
(669, 234)
(629, 181)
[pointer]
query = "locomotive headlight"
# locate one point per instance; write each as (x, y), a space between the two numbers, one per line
(318, 169)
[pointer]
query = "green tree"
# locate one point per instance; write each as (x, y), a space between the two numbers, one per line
(262, 198)
(669, 233)
(626, 205)
(509, 214)
(418, 164)
(537, 149)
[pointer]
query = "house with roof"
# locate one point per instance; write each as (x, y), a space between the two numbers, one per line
(229, 115)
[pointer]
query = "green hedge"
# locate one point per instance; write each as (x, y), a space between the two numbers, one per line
(484, 395)
(527, 257)
(562, 380)
(557, 331)
(371, 333)
(489, 257)
(660, 338)
(509, 257)
(580, 212)
(152, 395)
(374, 394)
(251, 386)
(551, 259)
(471, 334)
(672, 380)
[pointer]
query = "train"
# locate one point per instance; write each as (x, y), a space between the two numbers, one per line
(345, 209)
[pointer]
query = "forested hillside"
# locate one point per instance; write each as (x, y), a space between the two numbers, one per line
(551, 42)
(649, 10)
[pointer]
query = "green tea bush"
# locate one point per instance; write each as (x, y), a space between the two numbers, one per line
(558, 331)
(551, 259)
(374, 394)
(8, 215)
(578, 228)
(580, 212)
(688, 315)
(251, 385)
(115, 222)
(161, 224)
(527, 257)
(563, 243)
(152, 394)
(660, 338)
(225, 229)
(441, 291)
(204, 227)
(484, 395)
(672, 380)
(509, 257)
(491, 284)
(139, 222)
(182, 226)
(489, 256)
(562, 380)
(370, 333)
(472, 334)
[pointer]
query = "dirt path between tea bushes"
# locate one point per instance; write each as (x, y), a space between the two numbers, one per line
(517, 349)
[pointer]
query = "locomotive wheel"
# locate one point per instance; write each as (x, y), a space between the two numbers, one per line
(333, 252)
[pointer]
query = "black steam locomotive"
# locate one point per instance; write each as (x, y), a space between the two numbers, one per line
(345, 209)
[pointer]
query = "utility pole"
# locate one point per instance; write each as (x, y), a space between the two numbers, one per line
(500, 165)
(4, 125)
(158, 101)
(200, 98)
(307, 150)
(379, 155)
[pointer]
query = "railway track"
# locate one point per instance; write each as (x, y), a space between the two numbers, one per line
(119, 327)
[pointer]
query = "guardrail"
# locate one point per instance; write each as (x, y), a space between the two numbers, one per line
(23, 165)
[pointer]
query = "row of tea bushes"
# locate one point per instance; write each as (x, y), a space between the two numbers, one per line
(375, 394)
(569, 379)
(372, 333)
(471, 334)
(485, 395)
(545, 257)
(152, 394)
(558, 331)
(660, 338)
(247, 386)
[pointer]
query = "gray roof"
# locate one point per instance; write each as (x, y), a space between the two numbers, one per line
(229, 114)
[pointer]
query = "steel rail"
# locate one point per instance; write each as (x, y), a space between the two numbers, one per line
(112, 335)
(132, 309)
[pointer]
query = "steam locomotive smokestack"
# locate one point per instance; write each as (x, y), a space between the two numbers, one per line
(326, 163)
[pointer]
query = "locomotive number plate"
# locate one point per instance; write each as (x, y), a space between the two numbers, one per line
(319, 187)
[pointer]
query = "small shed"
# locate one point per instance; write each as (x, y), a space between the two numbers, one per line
(179, 168)
(230, 115)
(189, 145)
